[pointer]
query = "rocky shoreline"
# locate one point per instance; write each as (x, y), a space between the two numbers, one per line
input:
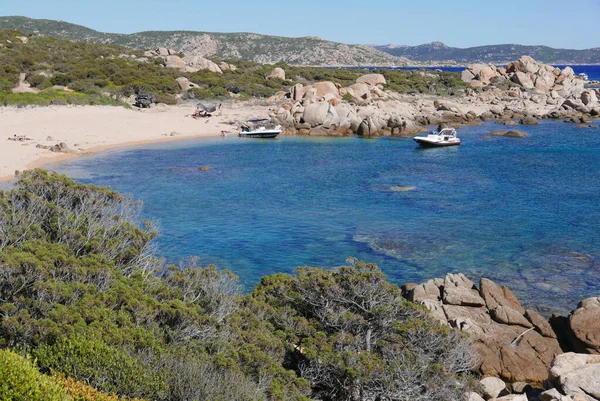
(520, 354)
(521, 93)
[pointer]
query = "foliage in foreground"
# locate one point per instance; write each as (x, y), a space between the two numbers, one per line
(81, 291)
(21, 380)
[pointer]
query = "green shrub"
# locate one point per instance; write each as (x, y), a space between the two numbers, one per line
(106, 368)
(21, 381)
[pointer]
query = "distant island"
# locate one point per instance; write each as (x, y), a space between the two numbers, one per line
(439, 53)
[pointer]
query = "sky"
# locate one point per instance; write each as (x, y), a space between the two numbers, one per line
(459, 23)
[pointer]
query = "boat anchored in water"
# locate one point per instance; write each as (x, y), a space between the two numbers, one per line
(445, 137)
(259, 132)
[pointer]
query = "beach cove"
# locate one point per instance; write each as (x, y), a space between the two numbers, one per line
(517, 210)
(90, 129)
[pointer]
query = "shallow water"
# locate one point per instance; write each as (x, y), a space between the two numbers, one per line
(523, 211)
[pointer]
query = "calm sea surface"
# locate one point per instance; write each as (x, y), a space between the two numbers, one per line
(522, 211)
(592, 71)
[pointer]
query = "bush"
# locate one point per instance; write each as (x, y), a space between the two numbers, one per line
(95, 363)
(21, 381)
(79, 391)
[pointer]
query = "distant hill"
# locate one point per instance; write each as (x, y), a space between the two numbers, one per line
(241, 46)
(498, 54)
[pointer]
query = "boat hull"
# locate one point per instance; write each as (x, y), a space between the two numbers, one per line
(435, 144)
(258, 134)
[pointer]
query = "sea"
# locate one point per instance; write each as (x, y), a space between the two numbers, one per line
(592, 71)
(523, 212)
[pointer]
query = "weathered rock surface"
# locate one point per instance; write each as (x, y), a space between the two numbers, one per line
(493, 387)
(278, 73)
(200, 63)
(584, 324)
(185, 84)
(576, 374)
(512, 343)
(175, 62)
(513, 133)
(529, 74)
(371, 79)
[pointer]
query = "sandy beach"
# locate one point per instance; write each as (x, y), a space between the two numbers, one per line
(91, 129)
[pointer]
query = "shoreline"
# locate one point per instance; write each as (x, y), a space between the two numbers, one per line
(61, 157)
(87, 130)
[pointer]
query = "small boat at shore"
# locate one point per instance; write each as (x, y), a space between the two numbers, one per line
(260, 132)
(583, 76)
(445, 137)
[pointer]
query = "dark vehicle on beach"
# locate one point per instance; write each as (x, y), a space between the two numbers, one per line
(143, 101)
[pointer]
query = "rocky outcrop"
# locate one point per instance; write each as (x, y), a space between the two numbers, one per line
(185, 84)
(581, 332)
(371, 79)
(528, 74)
(318, 109)
(197, 63)
(277, 73)
(574, 377)
(513, 343)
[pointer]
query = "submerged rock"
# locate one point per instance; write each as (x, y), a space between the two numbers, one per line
(400, 188)
(513, 133)
(205, 168)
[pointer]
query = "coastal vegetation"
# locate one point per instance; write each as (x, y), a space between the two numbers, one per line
(85, 306)
(263, 49)
(66, 72)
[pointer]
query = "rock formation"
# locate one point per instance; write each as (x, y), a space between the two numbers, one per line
(278, 73)
(528, 74)
(514, 344)
(574, 377)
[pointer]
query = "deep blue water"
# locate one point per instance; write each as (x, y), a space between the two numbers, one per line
(593, 71)
(522, 211)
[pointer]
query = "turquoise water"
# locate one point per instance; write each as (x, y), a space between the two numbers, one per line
(522, 211)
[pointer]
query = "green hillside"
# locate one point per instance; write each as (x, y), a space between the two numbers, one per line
(498, 54)
(239, 46)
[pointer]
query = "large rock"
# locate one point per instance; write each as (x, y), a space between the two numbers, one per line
(361, 91)
(297, 92)
(492, 387)
(278, 73)
(576, 374)
(589, 97)
(544, 81)
(511, 343)
(317, 113)
(522, 79)
(584, 324)
(326, 88)
(175, 62)
(485, 74)
(371, 79)
(467, 76)
(529, 120)
(201, 63)
(185, 84)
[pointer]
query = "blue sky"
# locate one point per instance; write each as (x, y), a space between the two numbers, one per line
(463, 23)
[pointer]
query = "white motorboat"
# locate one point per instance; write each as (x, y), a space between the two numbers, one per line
(260, 132)
(445, 137)
(583, 76)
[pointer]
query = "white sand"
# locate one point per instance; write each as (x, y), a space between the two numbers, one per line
(88, 129)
